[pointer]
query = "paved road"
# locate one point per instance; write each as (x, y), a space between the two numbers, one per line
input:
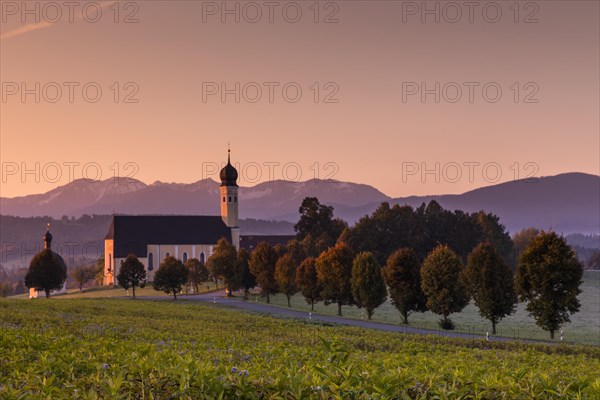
(220, 298)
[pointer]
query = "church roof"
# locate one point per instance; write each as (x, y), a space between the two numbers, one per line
(132, 233)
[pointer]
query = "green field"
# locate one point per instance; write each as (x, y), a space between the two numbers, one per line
(584, 327)
(124, 349)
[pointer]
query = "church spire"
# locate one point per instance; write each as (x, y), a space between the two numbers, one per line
(47, 237)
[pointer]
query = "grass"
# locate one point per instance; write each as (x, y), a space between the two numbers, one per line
(124, 349)
(118, 292)
(583, 329)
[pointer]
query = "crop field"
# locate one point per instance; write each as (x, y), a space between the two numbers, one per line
(125, 349)
(583, 329)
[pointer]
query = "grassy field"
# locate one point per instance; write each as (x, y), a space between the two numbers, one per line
(124, 349)
(584, 327)
(112, 292)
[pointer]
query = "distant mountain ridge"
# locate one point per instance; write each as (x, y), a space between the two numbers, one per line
(566, 203)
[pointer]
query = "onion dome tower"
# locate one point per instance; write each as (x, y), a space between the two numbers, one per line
(229, 193)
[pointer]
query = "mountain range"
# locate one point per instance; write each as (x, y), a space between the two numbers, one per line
(566, 203)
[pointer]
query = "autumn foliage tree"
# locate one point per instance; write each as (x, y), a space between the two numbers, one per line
(490, 283)
(47, 272)
(402, 274)
(262, 265)
(548, 277)
(171, 276)
(285, 275)
(247, 279)
(334, 271)
(223, 264)
(368, 286)
(442, 283)
(132, 274)
(308, 282)
(197, 273)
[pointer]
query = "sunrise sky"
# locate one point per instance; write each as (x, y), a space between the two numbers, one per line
(363, 121)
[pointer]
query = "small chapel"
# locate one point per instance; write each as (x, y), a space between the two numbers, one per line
(151, 238)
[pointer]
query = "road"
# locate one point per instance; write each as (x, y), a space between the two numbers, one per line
(235, 302)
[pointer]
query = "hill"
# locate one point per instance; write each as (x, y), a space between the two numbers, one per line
(566, 203)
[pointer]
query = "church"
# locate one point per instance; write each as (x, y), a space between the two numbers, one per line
(153, 237)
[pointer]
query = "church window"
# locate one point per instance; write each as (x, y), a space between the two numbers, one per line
(150, 261)
(223, 199)
(167, 254)
(230, 199)
(109, 262)
(202, 258)
(185, 257)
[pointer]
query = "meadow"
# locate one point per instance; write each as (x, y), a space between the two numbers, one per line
(584, 327)
(142, 349)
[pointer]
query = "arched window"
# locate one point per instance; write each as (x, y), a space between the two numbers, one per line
(202, 258)
(150, 261)
(230, 199)
(109, 263)
(184, 257)
(223, 199)
(167, 254)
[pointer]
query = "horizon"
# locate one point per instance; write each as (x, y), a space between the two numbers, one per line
(297, 182)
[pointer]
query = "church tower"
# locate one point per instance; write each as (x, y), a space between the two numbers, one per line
(229, 199)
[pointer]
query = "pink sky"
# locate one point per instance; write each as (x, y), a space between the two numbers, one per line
(375, 52)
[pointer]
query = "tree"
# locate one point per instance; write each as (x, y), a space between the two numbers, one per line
(593, 263)
(548, 277)
(197, 273)
(285, 275)
(368, 286)
(262, 265)
(247, 279)
(490, 283)
(222, 264)
(100, 270)
(132, 274)
(308, 282)
(442, 283)
(171, 276)
(5, 289)
(83, 274)
(47, 272)
(317, 222)
(522, 239)
(334, 271)
(495, 233)
(403, 277)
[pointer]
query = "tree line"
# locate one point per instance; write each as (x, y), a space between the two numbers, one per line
(422, 259)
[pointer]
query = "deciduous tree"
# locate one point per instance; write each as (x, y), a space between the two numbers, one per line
(443, 285)
(171, 276)
(47, 272)
(490, 283)
(402, 274)
(285, 275)
(222, 264)
(548, 277)
(83, 274)
(197, 273)
(334, 271)
(262, 265)
(368, 286)
(132, 274)
(308, 282)
(247, 279)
